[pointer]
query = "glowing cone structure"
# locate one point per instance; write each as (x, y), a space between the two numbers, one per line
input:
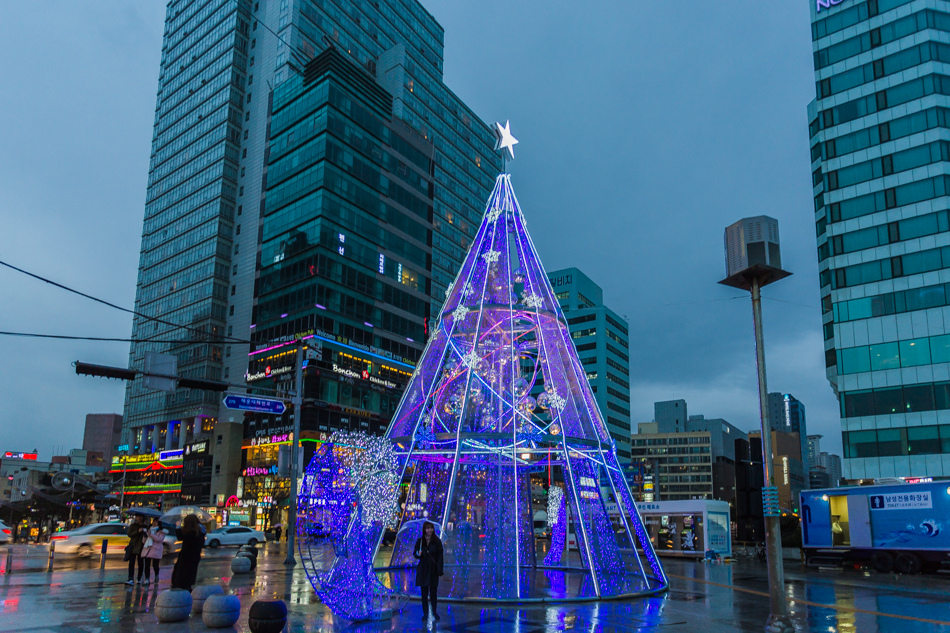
(500, 395)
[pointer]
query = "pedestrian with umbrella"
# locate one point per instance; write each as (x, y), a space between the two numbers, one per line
(153, 549)
(133, 551)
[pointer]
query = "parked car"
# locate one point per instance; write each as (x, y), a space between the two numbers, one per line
(6, 532)
(234, 535)
(87, 540)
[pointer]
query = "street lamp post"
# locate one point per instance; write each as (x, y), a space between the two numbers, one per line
(295, 456)
(753, 260)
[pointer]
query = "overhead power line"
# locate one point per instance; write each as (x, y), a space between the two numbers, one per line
(214, 339)
(106, 339)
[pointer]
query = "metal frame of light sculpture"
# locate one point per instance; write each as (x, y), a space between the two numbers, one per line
(468, 413)
(349, 494)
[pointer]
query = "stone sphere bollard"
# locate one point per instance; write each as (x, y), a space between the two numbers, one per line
(173, 605)
(240, 564)
(201, 593)
(221, 611)
(251, 549)
(267, 616)
(248, 556)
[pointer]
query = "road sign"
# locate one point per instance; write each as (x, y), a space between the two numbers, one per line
(253, 403)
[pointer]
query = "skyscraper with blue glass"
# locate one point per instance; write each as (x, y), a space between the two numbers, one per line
(880, 150)
(201, 265)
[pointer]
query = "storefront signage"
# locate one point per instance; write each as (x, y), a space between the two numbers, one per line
(30, 456)
(255, 471)
(918, 480)
(364, 375)
(826, 4)
(148, 457)
(197, 447)
(273, 439)
(901, 501)
(648, 506)
(266, 432)
(268, 373)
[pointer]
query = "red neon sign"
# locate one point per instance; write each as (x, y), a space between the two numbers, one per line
(11, 455)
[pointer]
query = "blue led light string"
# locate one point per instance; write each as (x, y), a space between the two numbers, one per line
(471, 366)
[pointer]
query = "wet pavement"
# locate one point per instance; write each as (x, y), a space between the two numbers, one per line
(78, 597)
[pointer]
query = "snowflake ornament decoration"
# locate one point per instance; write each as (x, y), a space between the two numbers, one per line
(491, 257)
(460, 313)
(533, 301)
(494, 214)
(556, 401)
(471, 359)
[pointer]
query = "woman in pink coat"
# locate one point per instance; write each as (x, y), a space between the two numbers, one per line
(154, 549)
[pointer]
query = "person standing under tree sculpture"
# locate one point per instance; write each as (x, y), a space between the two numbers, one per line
(192, 540)
(428, 550)
(154, 549)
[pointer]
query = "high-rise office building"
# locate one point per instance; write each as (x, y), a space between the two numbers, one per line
(602, 338)
(832, 465)
(880, 152)
(102, 433)
(687, 456)
(812, 450)
(221, 63)
(787, 415)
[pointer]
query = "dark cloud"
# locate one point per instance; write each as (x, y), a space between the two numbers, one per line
(645, 129)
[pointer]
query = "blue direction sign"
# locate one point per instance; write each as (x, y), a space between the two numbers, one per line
(254, 403)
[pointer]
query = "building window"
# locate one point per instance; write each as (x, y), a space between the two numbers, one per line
(217, 469)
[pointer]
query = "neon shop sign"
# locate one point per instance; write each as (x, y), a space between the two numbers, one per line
(255, 471)
(826, 4)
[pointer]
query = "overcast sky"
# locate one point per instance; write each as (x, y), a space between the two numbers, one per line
(645, 128)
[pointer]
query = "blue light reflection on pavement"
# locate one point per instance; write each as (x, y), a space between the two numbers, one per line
(80, 598)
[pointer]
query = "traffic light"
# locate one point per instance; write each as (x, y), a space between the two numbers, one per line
(207, 385)
(102, 371)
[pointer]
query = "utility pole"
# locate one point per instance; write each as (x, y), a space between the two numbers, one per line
(753, 260)
(295, 457)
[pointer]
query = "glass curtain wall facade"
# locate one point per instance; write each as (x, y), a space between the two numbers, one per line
(222, 59)
(346, 259)
(880, 149)
(602, 339)
(189, 217)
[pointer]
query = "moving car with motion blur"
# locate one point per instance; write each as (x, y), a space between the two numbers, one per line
(87, 541)
(234, 535)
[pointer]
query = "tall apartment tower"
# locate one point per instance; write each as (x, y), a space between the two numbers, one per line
(205, 203)
(602, 338)
(880, 149)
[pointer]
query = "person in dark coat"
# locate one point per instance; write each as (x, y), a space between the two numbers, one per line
(192, 541)
(428, 550)
(133, 552)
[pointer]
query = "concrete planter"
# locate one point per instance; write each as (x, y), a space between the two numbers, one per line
(240, 565)
(267, 616)
(173, 605)
(221, 611)
(201, 593)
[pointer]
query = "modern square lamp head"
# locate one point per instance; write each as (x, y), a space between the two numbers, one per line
(753, 251)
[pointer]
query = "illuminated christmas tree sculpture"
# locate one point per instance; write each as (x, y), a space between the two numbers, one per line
(499, 398)
(469, 434)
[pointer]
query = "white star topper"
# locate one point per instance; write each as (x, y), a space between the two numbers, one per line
(503, 138)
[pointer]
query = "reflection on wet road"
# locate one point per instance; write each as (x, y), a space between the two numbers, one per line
(78, 597)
